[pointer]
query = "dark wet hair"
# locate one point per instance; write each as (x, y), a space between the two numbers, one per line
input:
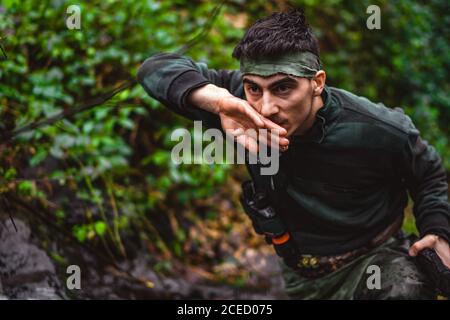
(277, 34)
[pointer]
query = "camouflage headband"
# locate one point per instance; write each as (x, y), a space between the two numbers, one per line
(302, 64)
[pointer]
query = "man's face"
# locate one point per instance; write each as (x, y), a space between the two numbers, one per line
(284, 99)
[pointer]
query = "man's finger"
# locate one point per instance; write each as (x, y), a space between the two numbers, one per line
(273, 126)
(426, 242)
(276, 140)
(249, 143)
(236, 132)
(254, 116)
(272, 139)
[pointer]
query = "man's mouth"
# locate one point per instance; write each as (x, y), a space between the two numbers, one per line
(279, 122)
(282, 123)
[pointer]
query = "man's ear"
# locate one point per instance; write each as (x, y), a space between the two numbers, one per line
(319, 82)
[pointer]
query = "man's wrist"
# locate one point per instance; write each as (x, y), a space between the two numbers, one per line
(439, 234)
(208, 97)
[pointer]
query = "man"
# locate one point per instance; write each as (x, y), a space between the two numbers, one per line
(345, 169)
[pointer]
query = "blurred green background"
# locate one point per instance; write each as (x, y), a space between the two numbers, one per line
(106, 176)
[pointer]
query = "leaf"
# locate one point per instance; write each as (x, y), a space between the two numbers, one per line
(100, 228)
(80, 233)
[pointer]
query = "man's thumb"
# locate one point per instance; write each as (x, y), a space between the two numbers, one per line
(413, 250)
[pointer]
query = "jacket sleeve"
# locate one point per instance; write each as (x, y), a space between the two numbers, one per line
(426, 181)
(169, 78)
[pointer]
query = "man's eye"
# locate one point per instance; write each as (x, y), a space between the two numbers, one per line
(253, 89)
(282, 89)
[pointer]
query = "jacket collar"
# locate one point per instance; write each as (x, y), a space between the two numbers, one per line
(324, 117)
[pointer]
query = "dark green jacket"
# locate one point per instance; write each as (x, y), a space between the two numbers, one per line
(349, 175)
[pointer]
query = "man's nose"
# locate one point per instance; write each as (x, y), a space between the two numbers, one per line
(268, 107)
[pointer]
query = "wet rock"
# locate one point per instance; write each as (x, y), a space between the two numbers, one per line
(2, 297)
(26, 272)
(265, 270)
(181, 288)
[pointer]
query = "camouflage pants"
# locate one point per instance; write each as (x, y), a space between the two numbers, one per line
(400, 277)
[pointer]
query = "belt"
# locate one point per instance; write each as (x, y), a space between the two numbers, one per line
(311, 266)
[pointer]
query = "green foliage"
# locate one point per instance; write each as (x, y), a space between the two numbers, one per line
(100, 228)
(113, 160)
(409, 225)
